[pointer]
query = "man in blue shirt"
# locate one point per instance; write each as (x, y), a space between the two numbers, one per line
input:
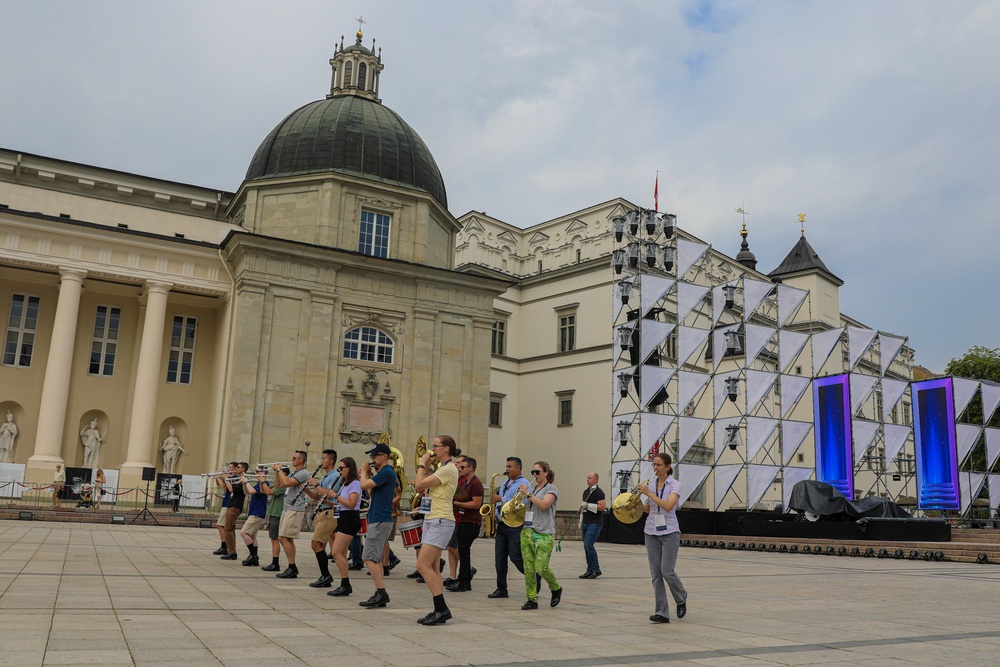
(256, 518)
(507, 543)
(381, 487)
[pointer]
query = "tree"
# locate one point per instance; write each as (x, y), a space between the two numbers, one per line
(979, 363)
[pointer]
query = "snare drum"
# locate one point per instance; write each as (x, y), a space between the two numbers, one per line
(364, 524)
(412, 533)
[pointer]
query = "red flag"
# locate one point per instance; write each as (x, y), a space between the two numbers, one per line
(656, 193)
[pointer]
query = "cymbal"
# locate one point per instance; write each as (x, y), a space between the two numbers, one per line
(462, 495)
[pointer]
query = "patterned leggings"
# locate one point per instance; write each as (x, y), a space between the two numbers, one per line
(536, 550)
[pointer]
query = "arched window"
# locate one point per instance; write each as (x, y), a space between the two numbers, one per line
(362, 75)
(368, 344)
(348, 74)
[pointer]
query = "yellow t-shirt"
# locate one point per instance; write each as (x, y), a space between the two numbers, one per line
(443, 494)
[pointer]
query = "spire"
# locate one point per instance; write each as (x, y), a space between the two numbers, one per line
(744, 256)
(356, 68)
(802, 258)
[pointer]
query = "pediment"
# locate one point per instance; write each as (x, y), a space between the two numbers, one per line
(576, 226)
(506, 235)
(474, 225)
(538, 237)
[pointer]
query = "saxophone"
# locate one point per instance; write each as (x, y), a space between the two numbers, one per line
(486, 509)
(418, 453)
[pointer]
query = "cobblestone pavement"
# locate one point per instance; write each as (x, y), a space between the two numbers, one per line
(75, 594)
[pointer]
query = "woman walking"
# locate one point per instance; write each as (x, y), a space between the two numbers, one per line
(538, 536)
(663, 537)
(348, 522)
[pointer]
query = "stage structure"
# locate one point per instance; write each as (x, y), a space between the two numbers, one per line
(718, 374)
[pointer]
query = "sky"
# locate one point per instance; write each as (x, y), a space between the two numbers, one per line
(878, 119)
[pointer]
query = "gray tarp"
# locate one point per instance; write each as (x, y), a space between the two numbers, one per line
(823, 500)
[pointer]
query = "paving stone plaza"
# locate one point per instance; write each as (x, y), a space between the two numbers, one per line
(74, 594)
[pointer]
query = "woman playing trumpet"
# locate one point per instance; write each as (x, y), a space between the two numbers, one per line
(439, 523)
(348, 521)
(538, 536)
(662, 534)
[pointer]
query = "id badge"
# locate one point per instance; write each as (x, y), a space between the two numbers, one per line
(660, 521)
(336, 512)
(527, 518)
(425, 505)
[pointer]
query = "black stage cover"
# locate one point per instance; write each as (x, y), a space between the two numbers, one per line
(826, 502)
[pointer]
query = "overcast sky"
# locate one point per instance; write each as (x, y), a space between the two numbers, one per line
(877, 119)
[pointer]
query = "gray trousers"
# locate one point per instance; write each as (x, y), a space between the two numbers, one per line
(662, 553)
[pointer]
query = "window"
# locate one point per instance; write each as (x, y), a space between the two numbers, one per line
(374, 237)
(906, 414)
(800, 457)
(669, 349)
(565, 417)
(579, 253)
(894, 414)
(567, 332)
(368, 344)
(496, 410)
(104, 349)
(21, 327)
(499, 337)
(181, 350)
(348, 73)
(362, 75)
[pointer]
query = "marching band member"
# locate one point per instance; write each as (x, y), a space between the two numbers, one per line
(274, 509)
(591, 520)
(294, 507)
(381, 486)
(468, 520)
(324, 523)
(256, 518)
(439, 523)
(507, 543)
(348, 521)
(237, 496)
(220, 481)
(538, 536)
(663, 537)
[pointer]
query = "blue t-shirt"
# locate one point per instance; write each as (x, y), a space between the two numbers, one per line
(258, 503)
(380, 509)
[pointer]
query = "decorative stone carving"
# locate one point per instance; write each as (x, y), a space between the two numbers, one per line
(8, 431)
(369, 386)
(366, 418)
(172, 450)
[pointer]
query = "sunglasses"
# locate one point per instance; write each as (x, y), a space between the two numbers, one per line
(537, 472)
(341, 467)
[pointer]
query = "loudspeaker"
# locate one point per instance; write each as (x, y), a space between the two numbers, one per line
(149, 474)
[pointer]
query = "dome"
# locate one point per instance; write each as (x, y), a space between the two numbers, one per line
(350, 135)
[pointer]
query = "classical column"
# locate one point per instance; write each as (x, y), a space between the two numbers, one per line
(55, 385)
(141, 441)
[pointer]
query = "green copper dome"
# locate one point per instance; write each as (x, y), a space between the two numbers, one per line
(350, 135)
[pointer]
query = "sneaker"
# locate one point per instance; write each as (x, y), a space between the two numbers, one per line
(556, 597)
(529, 605)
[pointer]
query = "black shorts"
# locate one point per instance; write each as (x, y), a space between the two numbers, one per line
(349, 522)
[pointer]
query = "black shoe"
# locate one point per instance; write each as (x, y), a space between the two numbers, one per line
(436, 617)
(595, 575)
(228, 557)
(413, 575)
(393, 562)
(356, 566)
(587, 575)
(441, 566)
(221, 551)
(656, 618)
(377, 600)
(449, 581)
(473, 575)
(498, 593)
(272, 567)
(251, 561)
(289, 573)
(459, 587)
(529, 605)
(322, 582)
(682, 609)
(341, 591)
(420, 580)
(556, 597)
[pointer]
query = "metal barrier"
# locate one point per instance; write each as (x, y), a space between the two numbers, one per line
(30, 496)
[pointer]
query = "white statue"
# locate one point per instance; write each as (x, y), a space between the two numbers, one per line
(92, 440)
(8, 431)
(172, 450)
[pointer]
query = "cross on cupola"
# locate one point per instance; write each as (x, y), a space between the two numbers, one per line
(356, 68)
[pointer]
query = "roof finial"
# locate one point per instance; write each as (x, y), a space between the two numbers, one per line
(802, 223)
(360, 34)
(744, 213)
(744, 256)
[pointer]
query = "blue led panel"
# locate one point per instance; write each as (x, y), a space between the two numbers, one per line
(832, 418)
(935, 444)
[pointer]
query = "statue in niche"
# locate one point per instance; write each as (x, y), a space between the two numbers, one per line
(172, 450)
(92, 439)
(8, 431)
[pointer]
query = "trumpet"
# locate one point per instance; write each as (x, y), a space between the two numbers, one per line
(512, 512)
(627, 508)
(224, 471)
(283, 464)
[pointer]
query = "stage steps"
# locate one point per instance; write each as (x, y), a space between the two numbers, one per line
(965, 547)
